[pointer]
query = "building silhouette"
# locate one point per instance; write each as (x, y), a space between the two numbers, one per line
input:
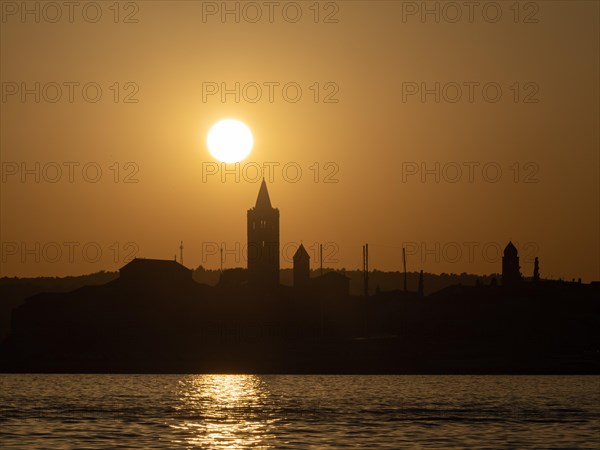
(511, 272)
(142, 271)
(263, 241)
(301, 268)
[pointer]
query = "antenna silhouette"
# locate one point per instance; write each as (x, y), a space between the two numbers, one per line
(366, 268)
(404, 263)
(321, 257)
(181, 253)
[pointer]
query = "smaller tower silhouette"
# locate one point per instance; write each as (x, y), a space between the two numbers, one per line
(181, 253)
(511, 272)
(421, 284)
(301, 268)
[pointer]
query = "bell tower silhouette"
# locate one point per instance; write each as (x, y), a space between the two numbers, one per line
(263, 241)
(511, 272)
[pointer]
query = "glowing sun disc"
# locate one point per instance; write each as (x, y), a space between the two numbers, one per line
(229, 141)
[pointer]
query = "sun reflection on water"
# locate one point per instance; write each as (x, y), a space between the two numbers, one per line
(224, 412)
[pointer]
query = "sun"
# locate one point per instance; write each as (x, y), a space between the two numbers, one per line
(230, 141)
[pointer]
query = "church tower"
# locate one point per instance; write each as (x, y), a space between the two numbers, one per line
(511, 272)
(263, 241)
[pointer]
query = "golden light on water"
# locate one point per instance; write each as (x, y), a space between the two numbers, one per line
(224, 412)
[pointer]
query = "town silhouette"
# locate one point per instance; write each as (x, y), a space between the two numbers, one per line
(155, 318)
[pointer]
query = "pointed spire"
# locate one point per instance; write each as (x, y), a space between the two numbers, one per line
(301, 253)
(510, 249)
(263, 201)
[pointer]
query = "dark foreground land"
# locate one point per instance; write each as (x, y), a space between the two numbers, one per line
(548, 327)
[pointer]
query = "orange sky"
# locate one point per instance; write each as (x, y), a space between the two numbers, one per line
(541, 132)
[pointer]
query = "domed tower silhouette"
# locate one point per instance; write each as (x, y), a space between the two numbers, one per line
(263, 241)
(511, 272)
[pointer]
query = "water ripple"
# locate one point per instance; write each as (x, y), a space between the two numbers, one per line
(248, 411)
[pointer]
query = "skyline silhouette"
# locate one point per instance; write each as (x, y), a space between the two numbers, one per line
(263, 252)
(154, 317)
(450, 254)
